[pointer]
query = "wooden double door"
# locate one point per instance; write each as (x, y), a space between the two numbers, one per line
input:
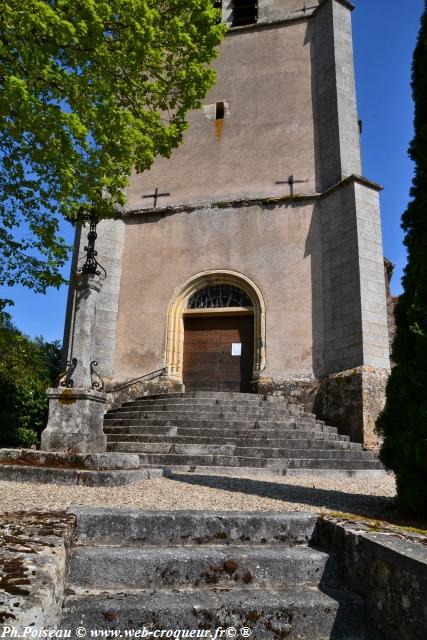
(218, 353)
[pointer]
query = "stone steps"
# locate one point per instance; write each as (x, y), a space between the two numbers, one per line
(289, 441)
(235, 450)
(249, 433)
(131, 569)
(186, 407)
(233, 431)
(109, 421)
(195, 460)
(249, 416)
(107, 568)
(290, 612)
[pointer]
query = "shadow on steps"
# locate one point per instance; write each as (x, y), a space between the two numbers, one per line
(356, 503)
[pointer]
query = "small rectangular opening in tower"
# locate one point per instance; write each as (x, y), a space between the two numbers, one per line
(244, 12)
(219, 111)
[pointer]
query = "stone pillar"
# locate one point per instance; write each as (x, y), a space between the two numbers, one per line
(76, 412)
(337, 134)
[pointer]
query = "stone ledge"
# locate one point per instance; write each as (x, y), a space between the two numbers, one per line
(236, 202)
(63, 460)
(110, 478)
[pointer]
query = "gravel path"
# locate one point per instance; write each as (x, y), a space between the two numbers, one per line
(372, 497)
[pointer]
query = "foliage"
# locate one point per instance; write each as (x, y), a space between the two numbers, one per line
(89, 89)
(27, 367)
(403, 422)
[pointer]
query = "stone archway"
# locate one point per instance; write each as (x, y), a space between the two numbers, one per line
(178, 306)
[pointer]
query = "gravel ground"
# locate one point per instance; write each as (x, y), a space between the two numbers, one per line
(363, 496)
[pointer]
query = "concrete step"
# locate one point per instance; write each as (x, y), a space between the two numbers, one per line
(242, 431)
(216, 395)
(243, 407)
(98, 525)
(253, 401)
(244, 451)
(105, 567)
(166, 459)
(290, 612)
(210, 414)
(291, 442)
(331, 464)
(137, 418)
(337, 461)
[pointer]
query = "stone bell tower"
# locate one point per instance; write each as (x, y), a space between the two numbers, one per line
(252, 259)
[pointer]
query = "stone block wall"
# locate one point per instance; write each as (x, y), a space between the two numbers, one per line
(371, 277)
(337, 136)
(354, 289)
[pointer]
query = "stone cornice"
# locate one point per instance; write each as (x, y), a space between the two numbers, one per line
(298, 198)
(344, 3)
(354, 178)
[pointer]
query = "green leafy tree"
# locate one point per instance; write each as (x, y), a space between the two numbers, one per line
(403, 423)
(27, 368)
(89, 89)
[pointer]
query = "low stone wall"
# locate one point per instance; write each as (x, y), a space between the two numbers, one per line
(388, 568)
(129, 392)
(299, 390)
(34, 550)
(349, 400)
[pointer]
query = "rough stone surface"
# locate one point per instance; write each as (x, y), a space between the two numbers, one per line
(55, 475)
(127, 392)
(75, 421)
(111, 526)
(94, 461)
(388, 568)
(352, 400)
(33, 560)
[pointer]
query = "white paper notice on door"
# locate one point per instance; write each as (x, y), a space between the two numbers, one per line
(236, 348)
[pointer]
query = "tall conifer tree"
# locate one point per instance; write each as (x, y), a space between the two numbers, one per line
(403, 423)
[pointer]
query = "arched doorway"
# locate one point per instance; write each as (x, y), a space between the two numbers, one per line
(216, 333)
(218, 340)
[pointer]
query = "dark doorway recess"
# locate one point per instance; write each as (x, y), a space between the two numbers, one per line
(209, 363)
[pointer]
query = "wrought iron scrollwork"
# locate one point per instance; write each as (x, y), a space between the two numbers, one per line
(64, 379)
(97, 384)
(219, 296)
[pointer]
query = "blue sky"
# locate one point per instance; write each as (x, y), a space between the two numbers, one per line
(385, 34)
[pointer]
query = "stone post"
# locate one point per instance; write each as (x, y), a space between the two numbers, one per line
(76, 411)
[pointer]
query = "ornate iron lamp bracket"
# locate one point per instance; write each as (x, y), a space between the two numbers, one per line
(91, 264)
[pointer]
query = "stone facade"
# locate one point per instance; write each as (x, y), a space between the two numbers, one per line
(309, 255)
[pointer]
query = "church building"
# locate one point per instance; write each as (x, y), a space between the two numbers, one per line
(252, 259)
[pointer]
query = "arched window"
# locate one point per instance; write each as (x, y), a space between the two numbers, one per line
(219, 296)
